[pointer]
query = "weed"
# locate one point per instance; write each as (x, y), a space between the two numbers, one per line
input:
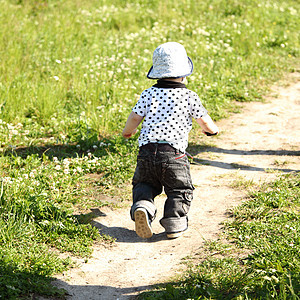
(280, 163)
(243, 183)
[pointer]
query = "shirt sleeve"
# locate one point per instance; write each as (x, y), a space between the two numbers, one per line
(141, 105)
(197, 109)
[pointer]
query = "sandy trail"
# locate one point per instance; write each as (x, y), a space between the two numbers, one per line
(264, 137)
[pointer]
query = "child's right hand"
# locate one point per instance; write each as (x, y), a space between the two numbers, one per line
(209, 134)
(207, 125)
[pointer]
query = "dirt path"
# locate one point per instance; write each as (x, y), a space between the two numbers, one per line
(265, 136)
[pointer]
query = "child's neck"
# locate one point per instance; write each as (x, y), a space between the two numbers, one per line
(175, 79)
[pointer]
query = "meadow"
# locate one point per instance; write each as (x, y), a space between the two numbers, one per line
(70, 72)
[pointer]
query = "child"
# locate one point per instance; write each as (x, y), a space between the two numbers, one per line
(167, 109)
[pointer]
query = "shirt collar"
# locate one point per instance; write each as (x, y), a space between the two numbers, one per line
(162, 83)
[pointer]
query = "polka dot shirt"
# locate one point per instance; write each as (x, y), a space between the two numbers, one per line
(168, 115)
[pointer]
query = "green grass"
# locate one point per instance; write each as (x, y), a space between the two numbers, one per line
(37, 200)
(70, 72)
(261, 258)
(87, 60)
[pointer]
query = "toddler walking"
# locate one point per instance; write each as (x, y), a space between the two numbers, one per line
(167, 109)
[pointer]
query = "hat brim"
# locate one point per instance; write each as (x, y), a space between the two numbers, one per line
(150, 72)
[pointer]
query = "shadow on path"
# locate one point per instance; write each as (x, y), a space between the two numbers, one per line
(236, 166)
(125, 235)
(120, 234)
(100, 292)
(195, 149)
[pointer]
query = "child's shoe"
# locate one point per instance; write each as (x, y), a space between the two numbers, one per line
(142, 224)
(175, 235)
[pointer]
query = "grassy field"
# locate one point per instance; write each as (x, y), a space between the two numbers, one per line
(70, 72)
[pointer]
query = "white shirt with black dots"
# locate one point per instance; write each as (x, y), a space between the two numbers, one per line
(168, 115)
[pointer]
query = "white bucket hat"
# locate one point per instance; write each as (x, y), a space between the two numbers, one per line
(170, 61)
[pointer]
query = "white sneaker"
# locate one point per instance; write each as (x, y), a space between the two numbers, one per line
(142, 224)
(175, 235)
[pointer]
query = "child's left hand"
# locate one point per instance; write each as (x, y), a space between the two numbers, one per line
(128, 135)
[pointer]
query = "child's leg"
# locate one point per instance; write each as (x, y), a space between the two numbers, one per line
(179, 189)
(143, 197)
(145, 188)
(176, 209)
(143, 210)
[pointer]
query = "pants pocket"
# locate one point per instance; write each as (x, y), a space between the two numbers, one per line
(186, 203)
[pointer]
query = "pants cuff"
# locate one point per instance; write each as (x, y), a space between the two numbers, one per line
(173, 225)
(147, 205)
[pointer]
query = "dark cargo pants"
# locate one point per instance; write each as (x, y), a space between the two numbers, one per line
(161, 166)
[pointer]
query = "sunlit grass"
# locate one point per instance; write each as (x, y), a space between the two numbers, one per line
(70, 72)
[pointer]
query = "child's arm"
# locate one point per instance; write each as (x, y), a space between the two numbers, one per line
(131, 125)
(207, 125)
